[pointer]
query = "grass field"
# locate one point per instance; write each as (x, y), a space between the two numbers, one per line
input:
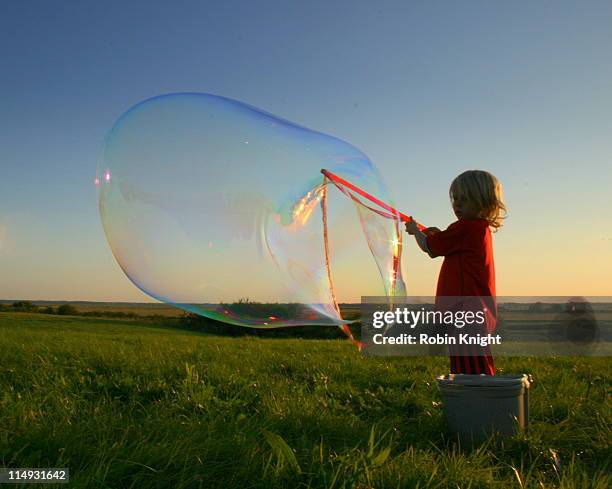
(135, 404)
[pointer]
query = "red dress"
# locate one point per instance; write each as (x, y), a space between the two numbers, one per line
(468, 270)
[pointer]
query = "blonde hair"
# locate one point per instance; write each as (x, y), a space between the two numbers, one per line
(483, 191)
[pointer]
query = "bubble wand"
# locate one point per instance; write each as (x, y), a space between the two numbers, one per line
(392, 212)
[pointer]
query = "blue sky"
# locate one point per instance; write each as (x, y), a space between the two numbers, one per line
(426, 89)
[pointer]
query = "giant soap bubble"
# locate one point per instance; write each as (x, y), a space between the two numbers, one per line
(206, 201)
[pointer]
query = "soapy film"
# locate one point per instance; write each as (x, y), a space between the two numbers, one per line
(201, 203)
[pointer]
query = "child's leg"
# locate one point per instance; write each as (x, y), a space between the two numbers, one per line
(471, 359)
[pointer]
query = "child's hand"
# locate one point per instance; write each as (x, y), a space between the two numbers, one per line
(411, 227)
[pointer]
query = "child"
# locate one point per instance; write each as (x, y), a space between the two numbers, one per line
(468, 269)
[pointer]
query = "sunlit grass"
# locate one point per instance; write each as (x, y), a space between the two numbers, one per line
(134, 404)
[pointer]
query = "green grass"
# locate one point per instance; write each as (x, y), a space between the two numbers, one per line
(132, 404)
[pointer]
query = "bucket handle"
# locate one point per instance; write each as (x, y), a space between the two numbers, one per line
(526, 400)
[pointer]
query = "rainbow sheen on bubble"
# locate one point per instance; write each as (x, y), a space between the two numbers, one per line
(206, 201)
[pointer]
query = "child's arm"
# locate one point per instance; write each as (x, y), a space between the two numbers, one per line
(421, 236)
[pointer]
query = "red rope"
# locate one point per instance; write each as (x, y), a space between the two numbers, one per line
(345, 327)
(326, 246)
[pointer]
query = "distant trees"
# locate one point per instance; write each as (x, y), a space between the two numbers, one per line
(29, 306)
(248, 310)
(66, 310)
(24, 306)
(71, 310)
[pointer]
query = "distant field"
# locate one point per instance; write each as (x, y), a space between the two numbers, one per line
(131, 404)
(141, 309)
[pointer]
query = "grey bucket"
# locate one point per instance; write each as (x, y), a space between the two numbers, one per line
(477, 406)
